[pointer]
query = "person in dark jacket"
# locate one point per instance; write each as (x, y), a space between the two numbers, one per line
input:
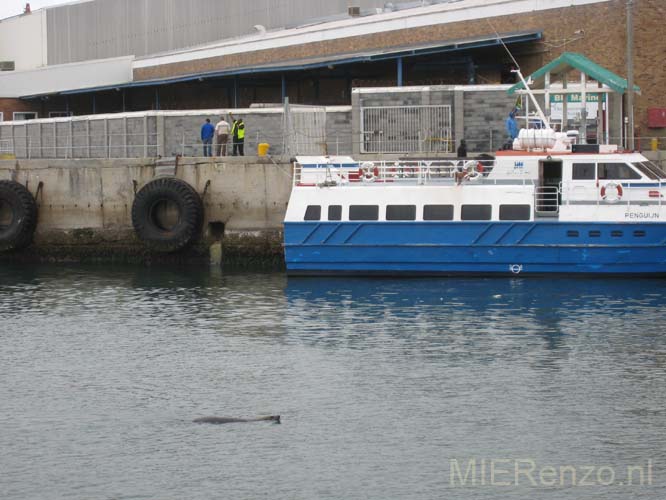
(462, 149)
(207, 134)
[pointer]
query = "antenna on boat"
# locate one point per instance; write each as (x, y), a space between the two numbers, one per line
(542, 116)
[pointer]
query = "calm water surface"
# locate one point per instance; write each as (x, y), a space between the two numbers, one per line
(384, 386)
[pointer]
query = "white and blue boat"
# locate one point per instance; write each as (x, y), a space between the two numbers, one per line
(547, 206)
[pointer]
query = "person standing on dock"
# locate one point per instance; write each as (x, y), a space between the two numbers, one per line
(238, 134)
(222, 133)
(462, 149)
(207, 133)
(512, 125)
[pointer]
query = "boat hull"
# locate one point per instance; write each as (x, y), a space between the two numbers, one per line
(475, 248)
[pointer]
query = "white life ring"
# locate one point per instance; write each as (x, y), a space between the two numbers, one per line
(611, 192)
(368, 172)
(472, 168)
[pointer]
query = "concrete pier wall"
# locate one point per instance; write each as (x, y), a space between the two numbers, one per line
(85, 205)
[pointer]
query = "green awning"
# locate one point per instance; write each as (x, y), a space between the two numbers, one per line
(573, 60)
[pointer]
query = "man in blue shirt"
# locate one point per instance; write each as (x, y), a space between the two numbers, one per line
(207, 133)
(512, 125)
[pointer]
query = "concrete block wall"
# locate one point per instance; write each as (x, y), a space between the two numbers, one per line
(182, 131)
(82, 137)
(485, 114)
(478, 112)
(147, 135)
(338, 132)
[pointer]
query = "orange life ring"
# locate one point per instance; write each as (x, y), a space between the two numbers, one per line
(611, 192)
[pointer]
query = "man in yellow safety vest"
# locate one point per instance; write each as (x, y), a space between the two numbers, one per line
(238, 134)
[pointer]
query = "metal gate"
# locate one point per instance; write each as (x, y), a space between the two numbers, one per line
(304, 130)
(406, 129)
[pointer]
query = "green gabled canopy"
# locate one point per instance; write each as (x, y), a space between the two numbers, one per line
(573, 60)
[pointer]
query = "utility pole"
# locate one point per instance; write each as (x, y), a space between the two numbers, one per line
(630, 74)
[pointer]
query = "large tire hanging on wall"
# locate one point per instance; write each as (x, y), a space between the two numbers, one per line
(18, 216)
(167, 214)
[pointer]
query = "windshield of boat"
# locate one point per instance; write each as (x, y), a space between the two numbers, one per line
(650, 169)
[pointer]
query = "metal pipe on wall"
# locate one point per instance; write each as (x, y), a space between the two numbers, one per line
(630, 74)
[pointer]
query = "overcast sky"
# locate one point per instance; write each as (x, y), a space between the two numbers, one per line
(10, 8)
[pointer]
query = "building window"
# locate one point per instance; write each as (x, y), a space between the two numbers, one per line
(59, 114)
(401, 212)
(515, 212)
(438, 212)
(476, 212)
(335, 212)
(582, 171)
(2, 116)
(313, 212)
(616, 171)
(363, 212)
(18, 116)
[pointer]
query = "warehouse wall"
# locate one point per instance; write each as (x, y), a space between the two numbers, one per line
(82, 31)
(603, 42)
(23, 40)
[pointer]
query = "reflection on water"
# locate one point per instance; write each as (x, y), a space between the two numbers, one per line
(380, 383)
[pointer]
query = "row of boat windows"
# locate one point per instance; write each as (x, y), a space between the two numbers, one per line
(614, 171)
(597, 234)
(430, 212)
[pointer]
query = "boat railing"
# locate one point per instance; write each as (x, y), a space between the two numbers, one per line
(420, 172)
(547, 200)
(628, 194)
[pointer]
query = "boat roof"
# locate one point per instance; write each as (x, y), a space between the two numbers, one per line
(627, 155)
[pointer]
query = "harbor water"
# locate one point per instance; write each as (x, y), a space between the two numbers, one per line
(388, 389)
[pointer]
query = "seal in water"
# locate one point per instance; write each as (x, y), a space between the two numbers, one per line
(226, 420)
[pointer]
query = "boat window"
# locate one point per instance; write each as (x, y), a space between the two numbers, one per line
(476, 212)
(583, 171)
(594, 234)
(639, 234)
(313, 212)
(573, 234)
(515, 212)
(650, 169)
(616, 234)
(363, 212)
(401, 212)
(616, 171)
(438, 212)
(335, 212)
(646, 171)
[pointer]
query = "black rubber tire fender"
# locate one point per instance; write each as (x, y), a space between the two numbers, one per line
(190, 211)
(19, 230)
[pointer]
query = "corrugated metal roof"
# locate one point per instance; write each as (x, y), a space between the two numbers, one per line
(574, 60)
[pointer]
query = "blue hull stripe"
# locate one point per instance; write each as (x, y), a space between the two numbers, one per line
(476, 248)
